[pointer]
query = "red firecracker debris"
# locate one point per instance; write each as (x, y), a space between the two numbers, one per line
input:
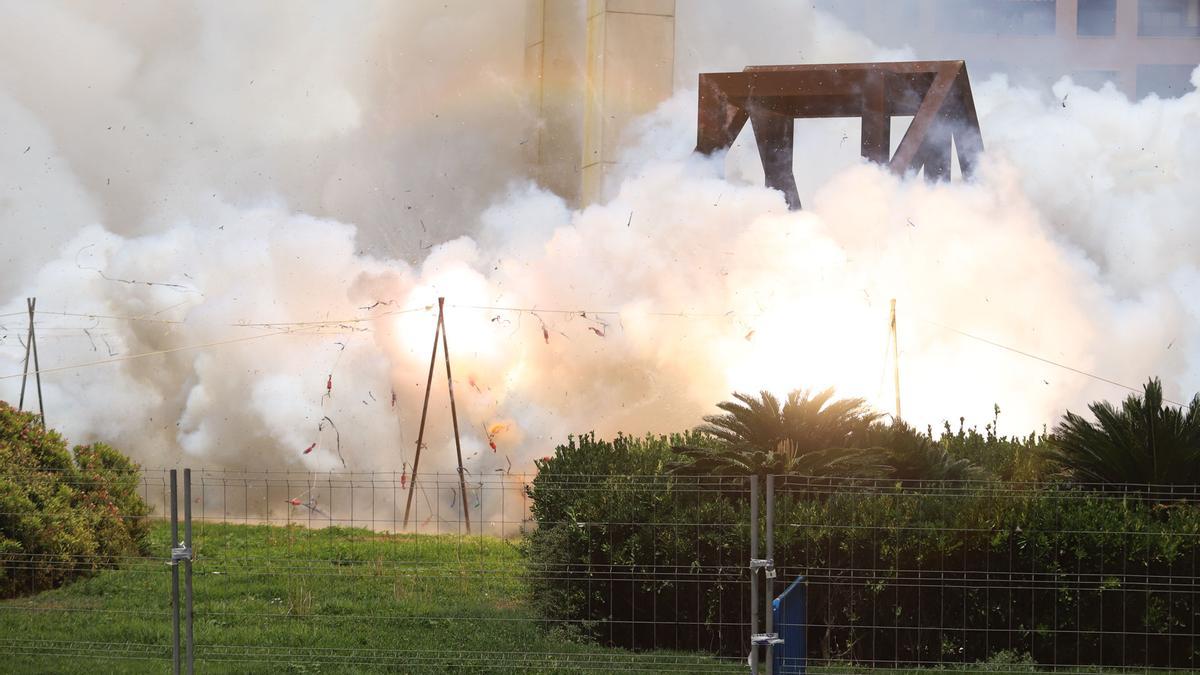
(404, 478)
(329, 384)
(295, 501)
(310, 448)
(546, 335)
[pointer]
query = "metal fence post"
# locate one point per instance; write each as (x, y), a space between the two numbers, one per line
(754, 575)
(769, 575)
(187, 566)
(174, 575)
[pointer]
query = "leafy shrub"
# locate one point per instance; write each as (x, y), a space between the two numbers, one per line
(913, 456)
(1007, 458)
(62, 514)
(897, 572)
(617, 542)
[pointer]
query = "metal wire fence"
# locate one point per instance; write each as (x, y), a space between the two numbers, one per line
(521, 573)
(984, 575)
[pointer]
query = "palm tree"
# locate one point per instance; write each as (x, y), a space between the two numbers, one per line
(1142, 442)
(807, 434)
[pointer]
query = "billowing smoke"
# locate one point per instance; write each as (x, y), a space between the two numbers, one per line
(274, 197)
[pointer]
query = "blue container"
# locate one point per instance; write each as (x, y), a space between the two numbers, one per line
(790, 613)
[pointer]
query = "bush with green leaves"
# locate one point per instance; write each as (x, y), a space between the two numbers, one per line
(616, 551)
(1008, 458)
(63, 514)
(898, 572)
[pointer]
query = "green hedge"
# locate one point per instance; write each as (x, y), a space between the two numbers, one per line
(628, 555)
(897, 574)
(62, 514)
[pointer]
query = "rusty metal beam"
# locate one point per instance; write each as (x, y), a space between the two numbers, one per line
(774, 135)
(876, 142)
(927, 114)
(937, 94)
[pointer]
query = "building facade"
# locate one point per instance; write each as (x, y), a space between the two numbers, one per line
(1142, 46)
(593, 67)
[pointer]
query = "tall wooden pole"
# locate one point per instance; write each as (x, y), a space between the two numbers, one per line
(31, 347)
(412, 487)
(37, 368)
(895, 358)
(462, 481)
(28, 346)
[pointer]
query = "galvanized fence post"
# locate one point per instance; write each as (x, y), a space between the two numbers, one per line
(753, 575)
(769, 575)
(174, 575)
(187, 567)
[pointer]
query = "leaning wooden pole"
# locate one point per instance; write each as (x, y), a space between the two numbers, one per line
(37, 368)
(895, 359)
(412, 486)
(462, 481)
(29, 305)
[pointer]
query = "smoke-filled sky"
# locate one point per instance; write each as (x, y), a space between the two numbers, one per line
(181, 171)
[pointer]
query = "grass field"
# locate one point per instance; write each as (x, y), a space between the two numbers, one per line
(273, 599)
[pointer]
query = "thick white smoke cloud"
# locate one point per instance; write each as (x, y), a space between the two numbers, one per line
(1074, 243)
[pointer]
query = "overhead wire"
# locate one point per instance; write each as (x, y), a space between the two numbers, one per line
(1035, 357)
(130, 357)
(598, 312)
(323, 325)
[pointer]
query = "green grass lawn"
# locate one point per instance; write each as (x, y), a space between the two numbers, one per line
(295, 600)
(273, 599)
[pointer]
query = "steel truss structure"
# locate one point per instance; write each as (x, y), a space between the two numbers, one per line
(937, 94)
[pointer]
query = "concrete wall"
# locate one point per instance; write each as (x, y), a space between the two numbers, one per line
(592, 68)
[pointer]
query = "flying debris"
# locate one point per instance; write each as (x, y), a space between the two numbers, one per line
(505, 471)
(309, 448)
(338, 436)
(311, 505)
(376, 304)
(491, 431)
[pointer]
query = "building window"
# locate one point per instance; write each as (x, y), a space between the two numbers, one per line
(1169, 18)
(1093, 79)
(1166, 81)
(998, 17)
(1096, 18)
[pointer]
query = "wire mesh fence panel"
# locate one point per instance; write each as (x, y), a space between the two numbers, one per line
(613, 573)
(993, 576)
(83, 573)
(529, 573)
